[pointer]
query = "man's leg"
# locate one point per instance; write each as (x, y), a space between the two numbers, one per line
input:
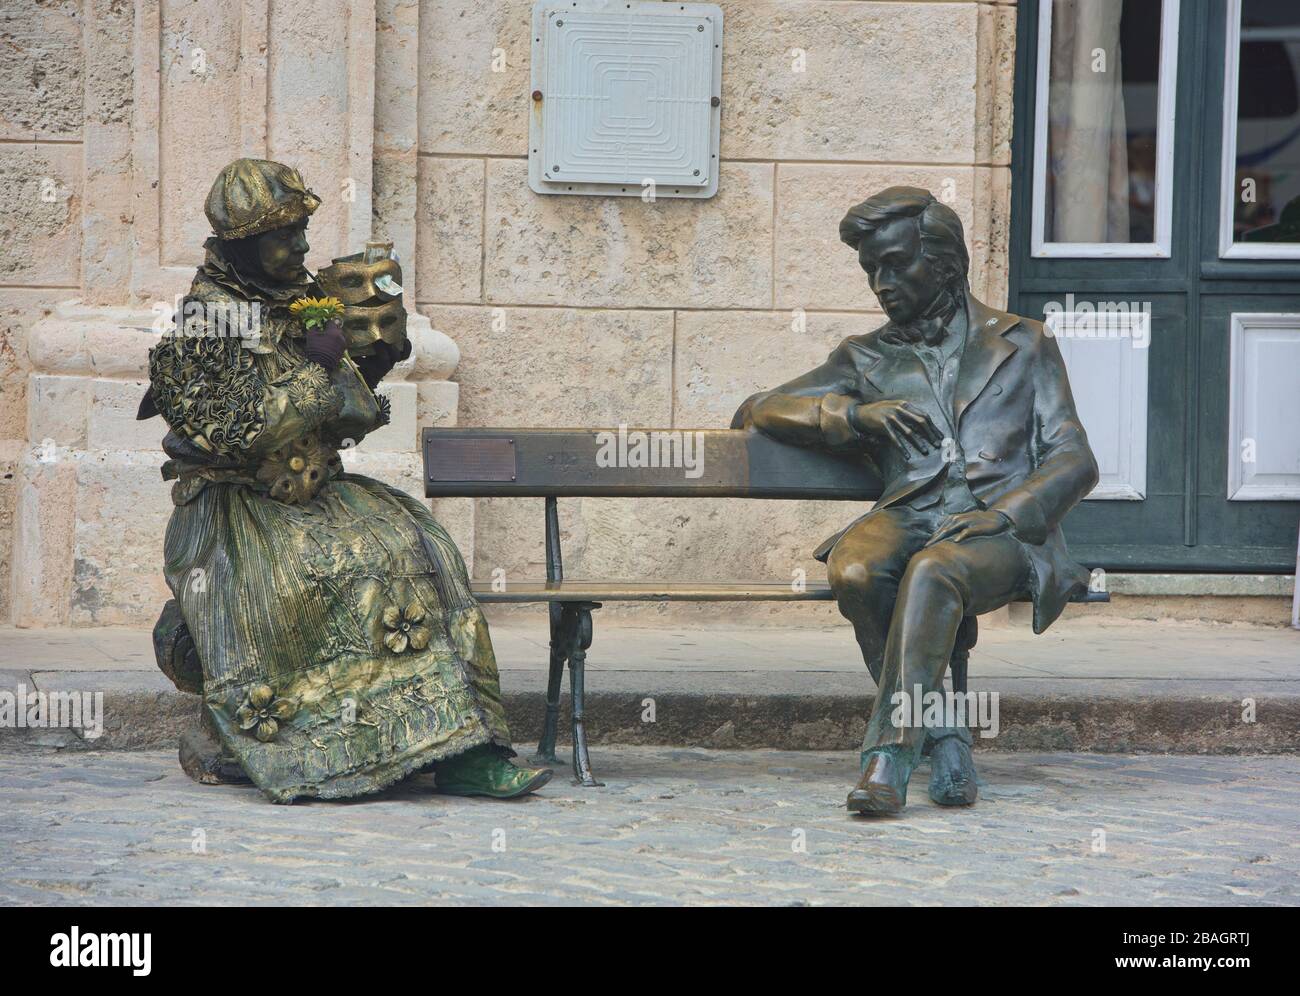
(942, 584)
(953, 781)
(865, 570)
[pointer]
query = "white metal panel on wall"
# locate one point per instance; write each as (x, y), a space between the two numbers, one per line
(626, 98)
(1264, 407)
(1106, 358)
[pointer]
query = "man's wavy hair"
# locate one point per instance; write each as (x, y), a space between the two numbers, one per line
(942, 238)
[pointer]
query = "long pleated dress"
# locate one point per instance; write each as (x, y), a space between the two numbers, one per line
(341, 649)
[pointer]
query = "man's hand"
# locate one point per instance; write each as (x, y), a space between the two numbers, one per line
(969, 525)
(898, 421)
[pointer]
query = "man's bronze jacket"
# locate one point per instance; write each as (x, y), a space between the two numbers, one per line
(1026, 453)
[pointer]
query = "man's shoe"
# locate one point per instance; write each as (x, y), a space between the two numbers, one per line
(952, 772)
(882, 789)
(487, 771)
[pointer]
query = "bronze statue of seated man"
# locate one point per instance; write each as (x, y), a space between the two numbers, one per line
(966, 413)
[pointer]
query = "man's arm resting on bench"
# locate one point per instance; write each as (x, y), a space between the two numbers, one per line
(814, 409)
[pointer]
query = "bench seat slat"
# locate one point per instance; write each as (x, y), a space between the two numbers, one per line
(648, 591)
(724, 463)
(671, 591)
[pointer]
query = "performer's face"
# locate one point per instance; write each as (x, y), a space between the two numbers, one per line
(281, 252)
(904, 279)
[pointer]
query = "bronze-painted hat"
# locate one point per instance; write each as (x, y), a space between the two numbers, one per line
(252, 196)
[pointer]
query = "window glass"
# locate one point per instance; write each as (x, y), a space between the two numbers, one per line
(1266, 154)
(1103, 120)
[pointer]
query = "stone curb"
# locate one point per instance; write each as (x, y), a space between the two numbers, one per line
(141, 715)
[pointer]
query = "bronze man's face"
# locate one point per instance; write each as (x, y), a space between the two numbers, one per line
(281, 252)
(904, 279)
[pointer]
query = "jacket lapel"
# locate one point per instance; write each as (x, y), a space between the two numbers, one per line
(986, 350)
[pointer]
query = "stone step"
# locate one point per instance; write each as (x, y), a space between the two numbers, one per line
(141, 711)
(1083, 686)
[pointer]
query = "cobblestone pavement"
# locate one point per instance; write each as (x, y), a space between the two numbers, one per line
(670, 826)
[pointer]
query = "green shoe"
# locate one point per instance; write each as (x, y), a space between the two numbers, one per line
(487, 771)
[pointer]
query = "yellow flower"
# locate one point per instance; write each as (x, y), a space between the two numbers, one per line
(316, 311)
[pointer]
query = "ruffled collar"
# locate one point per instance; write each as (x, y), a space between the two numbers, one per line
(218, 268)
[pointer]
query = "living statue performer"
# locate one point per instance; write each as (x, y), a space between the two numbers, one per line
(966, 413)
(324, 617)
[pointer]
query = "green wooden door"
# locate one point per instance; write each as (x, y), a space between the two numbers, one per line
(1183, 343)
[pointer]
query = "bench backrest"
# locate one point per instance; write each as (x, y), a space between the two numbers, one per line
(626, 462)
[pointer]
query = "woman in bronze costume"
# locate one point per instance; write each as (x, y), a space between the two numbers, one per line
(325, 618)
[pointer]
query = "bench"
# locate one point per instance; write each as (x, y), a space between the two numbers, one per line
(560, 463)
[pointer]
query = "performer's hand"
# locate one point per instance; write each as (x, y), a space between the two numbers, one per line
(374, 366)
(969, 525)
(898, 421)
(326, 345)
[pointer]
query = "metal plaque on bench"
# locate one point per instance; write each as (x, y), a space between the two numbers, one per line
(463, 460)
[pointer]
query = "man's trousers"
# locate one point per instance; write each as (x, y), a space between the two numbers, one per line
(906, 601)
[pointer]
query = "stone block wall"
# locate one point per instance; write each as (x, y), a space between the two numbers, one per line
(42, 120)
(562, 310)
(116, 119)
(601, 311)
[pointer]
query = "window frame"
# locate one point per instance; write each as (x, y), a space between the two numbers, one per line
(1166, 102)
(1229, 248)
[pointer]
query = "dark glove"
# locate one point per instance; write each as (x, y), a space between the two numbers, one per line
(326, 345)
(375, 366)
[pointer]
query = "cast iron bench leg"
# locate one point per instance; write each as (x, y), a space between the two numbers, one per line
(577, 663)
(559, 657)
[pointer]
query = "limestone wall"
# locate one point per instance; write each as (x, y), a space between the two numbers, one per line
(586, 311)
(565, 310)
(42, 73)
